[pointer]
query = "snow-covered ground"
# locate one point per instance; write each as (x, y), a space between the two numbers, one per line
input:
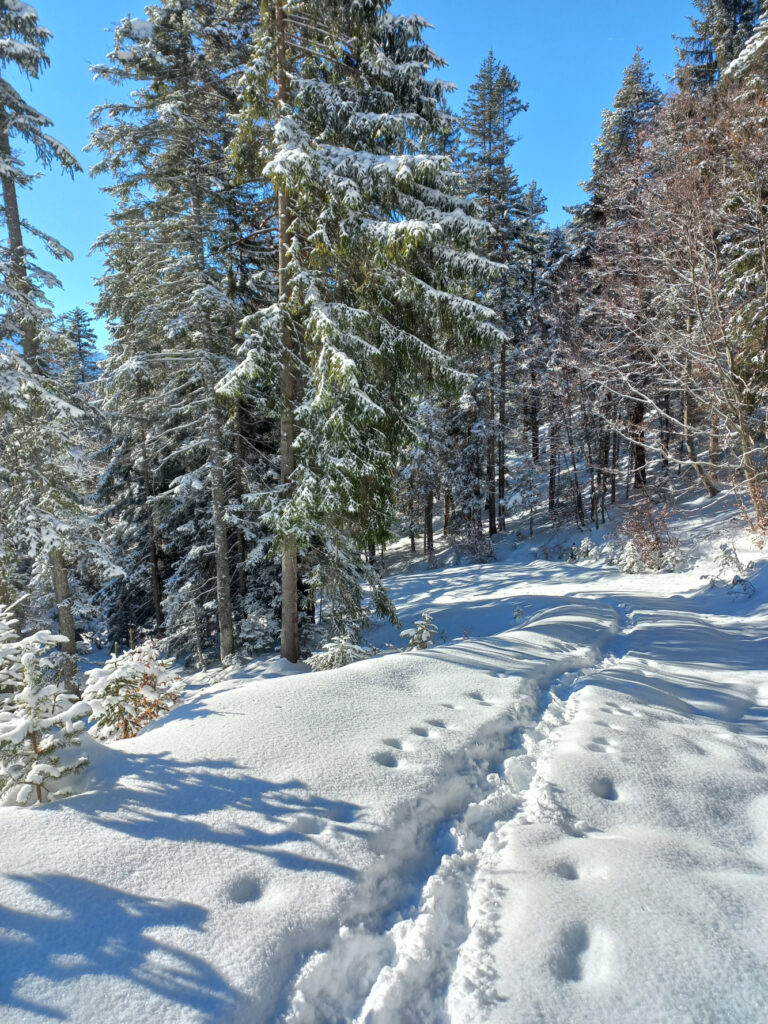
(558, 815)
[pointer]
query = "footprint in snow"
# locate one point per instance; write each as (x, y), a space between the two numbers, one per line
(601, 746)
(437, 723)
(307, 825)
(245, 889)
(477, 696)
(450, 707)
(395, 744)
(604, 788)
(566, 870)
(385, 759)
(419, 730)
(566, 964)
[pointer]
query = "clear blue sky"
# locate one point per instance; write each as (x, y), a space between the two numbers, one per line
(567, 54)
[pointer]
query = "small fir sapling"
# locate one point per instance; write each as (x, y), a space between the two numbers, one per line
(420, 636)
(339, 651)
(129, 691)
(38, 720)
(11, 675)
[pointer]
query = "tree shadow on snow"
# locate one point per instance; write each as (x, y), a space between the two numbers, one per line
(155, 796)
(89, 929)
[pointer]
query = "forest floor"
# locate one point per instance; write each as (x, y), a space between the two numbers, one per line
(557, 815)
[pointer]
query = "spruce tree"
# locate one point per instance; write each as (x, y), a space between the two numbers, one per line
(38, 720)
(40, 503)
(717, 37)
(179, 257)
(77, 352)
(377, 274)
(486, 125)
(22, 281)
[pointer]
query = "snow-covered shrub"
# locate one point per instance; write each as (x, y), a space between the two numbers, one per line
(38, 720)
(585, 551)
(731, 573)
(650, 546)
(420, 636)
(729, 565)
(339, 651)
(130, 690)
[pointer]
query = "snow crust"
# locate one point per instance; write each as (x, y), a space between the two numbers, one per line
(560, 818)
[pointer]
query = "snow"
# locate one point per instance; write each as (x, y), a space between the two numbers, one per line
(559, 817)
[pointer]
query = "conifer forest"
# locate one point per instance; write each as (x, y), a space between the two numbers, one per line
(363, 410)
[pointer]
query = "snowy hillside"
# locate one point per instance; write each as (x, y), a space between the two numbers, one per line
(557, 815)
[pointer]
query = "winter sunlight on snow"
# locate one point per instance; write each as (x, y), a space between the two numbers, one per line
(384, 615)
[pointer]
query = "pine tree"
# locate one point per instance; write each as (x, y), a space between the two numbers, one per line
(374, 247)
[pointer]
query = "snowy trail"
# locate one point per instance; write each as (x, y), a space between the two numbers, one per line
(404, 974)
(582, 825)
(558, 820)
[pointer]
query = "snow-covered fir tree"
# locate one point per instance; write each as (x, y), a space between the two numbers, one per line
(43, 469)
(718, 35)
(489, 178)
(182, 256)
(77, 352)
(130, 690)
(378, 269)
(39, 721)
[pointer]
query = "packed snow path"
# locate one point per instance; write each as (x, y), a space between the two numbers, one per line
(561, 819)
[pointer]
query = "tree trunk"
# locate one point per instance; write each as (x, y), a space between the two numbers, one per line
(501, 455)
(17, 252)
(691, 448)
(220, 540)
(61, 591)
(639, 454)
(665, 431)
(154, 566)
(533, 412)
(714, 447)
(289, 637)
(552, 466)
(491, 458)
(429, 531)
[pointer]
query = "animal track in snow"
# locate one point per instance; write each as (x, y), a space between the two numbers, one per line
(476, 695)
(385, 759)
(245, 889)
(419, 730)
(395, 744)
(567, 963)
(604, 788)
(437, 723)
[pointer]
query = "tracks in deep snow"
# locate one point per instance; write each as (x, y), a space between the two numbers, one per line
(399, 965)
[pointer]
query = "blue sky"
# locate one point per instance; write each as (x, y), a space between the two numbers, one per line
(567, 54)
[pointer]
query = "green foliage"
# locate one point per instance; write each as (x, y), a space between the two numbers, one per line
(39, 722)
